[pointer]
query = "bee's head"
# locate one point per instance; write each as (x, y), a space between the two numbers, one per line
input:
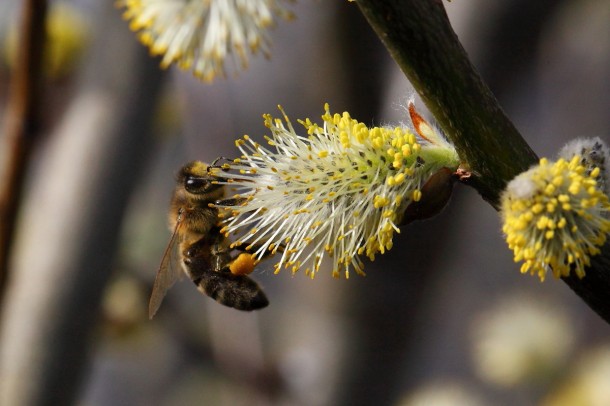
(196, 178)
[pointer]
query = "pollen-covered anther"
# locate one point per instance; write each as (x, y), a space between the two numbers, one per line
(416, 195)
(552, 221)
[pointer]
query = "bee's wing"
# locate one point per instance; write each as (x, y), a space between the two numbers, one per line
(169, 272)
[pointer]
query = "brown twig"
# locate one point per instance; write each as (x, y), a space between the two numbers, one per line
(21, 122)
(419, 36)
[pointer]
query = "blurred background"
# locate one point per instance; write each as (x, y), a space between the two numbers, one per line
(445, 318)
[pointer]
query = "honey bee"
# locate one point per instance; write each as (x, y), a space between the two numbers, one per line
(203, 251)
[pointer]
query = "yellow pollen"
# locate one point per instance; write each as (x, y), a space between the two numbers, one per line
(416, 195)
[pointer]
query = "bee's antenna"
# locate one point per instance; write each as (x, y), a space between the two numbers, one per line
(215, 163)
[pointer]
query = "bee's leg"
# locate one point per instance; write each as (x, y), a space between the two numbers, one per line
(220, 257)
(223, 167)
(254, 247)
(232, 201)
(205, 255)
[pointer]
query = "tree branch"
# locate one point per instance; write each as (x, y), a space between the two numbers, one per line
(420, 38)
(21, 125)
(418, 35)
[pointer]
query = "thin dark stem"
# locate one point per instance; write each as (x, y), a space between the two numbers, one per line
(419, 37)
(21, 122)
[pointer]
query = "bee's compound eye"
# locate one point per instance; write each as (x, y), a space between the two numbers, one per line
(196, 184)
